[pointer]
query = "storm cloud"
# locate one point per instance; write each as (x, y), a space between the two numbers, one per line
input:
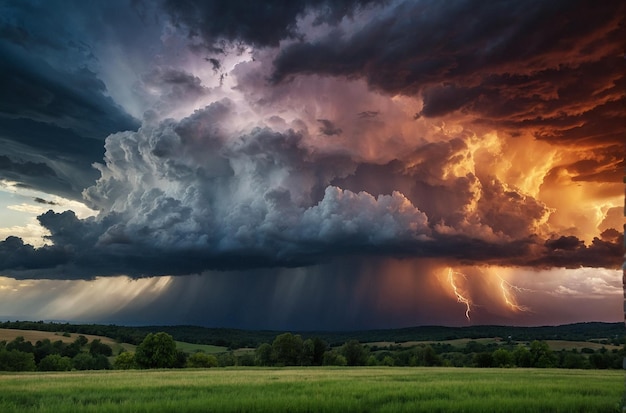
(181, 197)
(514, 65)
(302, 147)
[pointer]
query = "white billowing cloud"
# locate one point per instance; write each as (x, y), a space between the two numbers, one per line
(344, 213)
(202, 183)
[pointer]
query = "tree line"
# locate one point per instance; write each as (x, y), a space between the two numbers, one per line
(613, 333)
(290, 350)
(158, 350)
(46, 355)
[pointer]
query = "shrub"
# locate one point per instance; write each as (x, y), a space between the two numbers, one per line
(55, 362)
(201, 360)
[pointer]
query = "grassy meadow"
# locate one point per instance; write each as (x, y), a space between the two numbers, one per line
(365, 389)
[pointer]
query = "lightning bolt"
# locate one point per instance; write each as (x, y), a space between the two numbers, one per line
(459, 297)
(509, 297)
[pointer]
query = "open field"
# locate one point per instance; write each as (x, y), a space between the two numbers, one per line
(315, 390)
(33, 336)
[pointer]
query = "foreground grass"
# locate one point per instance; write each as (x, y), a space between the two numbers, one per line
(315, 390)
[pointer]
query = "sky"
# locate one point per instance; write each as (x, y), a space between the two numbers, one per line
(312, 164)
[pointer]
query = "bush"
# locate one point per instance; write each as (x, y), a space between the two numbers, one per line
(503, 358)
(55, 362)
(84, 361)
(226, 359)
(354, 353)
(332, 358)
(15, 360)
(201, 360)
(125, 361)
(97, 347)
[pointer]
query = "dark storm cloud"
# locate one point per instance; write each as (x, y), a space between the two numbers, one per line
(328, 128)
(63, 158)
(16, 255)
(43, 201)
(54, 110)
(174, 87)
(221, 190)
(257, 23)
(70, 99)
(9, 166)
(182, 197)
(552, 69)
(570, 252)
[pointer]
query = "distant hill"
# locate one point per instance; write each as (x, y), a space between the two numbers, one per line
(8, 334)
(234, 338)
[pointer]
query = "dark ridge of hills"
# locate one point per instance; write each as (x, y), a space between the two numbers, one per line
(234, 338)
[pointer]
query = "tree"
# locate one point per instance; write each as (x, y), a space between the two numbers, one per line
(181, 360)
(81, 341)
(84, 361)
(98, 347)
(71, 350)
(101, 362)
(226, 359)
(246, 359)
(201, 360)
(156, 351)
(388, 361)
(313, 351)
(264, 355)
(427, 356)
(503, 358)
(355, 353)
(307, 352)
(333, 358)
(55, 362)
(21, 345)
(15, 360)
(287, 349)
(573, 360)
(125, 361)
(483, 359)
(541, 355)
(319, 348)
(522, 357)
(43, 348)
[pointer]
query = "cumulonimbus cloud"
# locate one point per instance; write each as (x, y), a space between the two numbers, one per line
(177, 197)
(295, 164)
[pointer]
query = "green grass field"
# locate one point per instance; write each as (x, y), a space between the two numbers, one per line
(315, 390)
